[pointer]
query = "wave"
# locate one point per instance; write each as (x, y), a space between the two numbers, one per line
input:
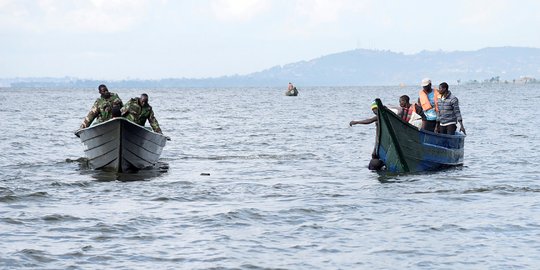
(498, 188)
(23, 197)
(306, 156)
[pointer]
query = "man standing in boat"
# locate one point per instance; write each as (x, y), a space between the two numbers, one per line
(428, 101)
(103, 107)
(449, 113)
(137, 110)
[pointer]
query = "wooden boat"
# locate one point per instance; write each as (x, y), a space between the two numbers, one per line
(120, 145)
(404, 148)
(292, 92)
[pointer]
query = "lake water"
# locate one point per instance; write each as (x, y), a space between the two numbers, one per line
(288, 187)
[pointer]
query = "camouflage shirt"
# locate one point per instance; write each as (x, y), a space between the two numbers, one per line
(102, 110)
(138, 114)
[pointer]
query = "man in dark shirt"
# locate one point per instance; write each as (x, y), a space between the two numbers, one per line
(449, 113)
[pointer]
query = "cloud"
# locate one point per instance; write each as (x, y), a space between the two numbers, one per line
(238, 10)
(86, 15)
(330, 18)
(323, 11)
(483, 13)
(12, 12)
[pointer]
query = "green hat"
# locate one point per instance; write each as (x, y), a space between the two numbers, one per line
(373, 105)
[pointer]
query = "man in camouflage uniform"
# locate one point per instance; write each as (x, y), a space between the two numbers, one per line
(137, 110)
(103, 107)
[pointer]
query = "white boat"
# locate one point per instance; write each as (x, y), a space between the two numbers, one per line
(120, 145)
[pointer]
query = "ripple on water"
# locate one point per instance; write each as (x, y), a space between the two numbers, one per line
(13, 197)
(36, 255)
(71, 184)
(306, 156)
(111, 228)
(445, 227)
(236, 218)
(11, 221)
(498, 189)
(176, 199)
(59, 218)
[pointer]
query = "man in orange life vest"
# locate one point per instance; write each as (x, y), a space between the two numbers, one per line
(428, 101)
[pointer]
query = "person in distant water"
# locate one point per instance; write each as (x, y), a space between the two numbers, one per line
(137, 110)
(428, 101)
(103, 107)
(291, 90)
(448, 114)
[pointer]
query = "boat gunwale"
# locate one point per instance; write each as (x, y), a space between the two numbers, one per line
(78, 132)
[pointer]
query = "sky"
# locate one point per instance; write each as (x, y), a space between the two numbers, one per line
(153, 39)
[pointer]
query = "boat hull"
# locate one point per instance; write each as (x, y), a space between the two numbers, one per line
(120, 145)
(404, 148)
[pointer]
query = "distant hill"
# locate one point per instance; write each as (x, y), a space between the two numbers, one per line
(369, 67)
(357, 67)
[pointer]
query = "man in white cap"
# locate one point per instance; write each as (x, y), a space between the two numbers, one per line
(428, 101)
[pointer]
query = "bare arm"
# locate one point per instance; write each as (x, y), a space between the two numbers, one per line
(364, 122)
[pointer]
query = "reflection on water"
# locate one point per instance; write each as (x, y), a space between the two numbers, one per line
(392, 177)
(145, 174)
